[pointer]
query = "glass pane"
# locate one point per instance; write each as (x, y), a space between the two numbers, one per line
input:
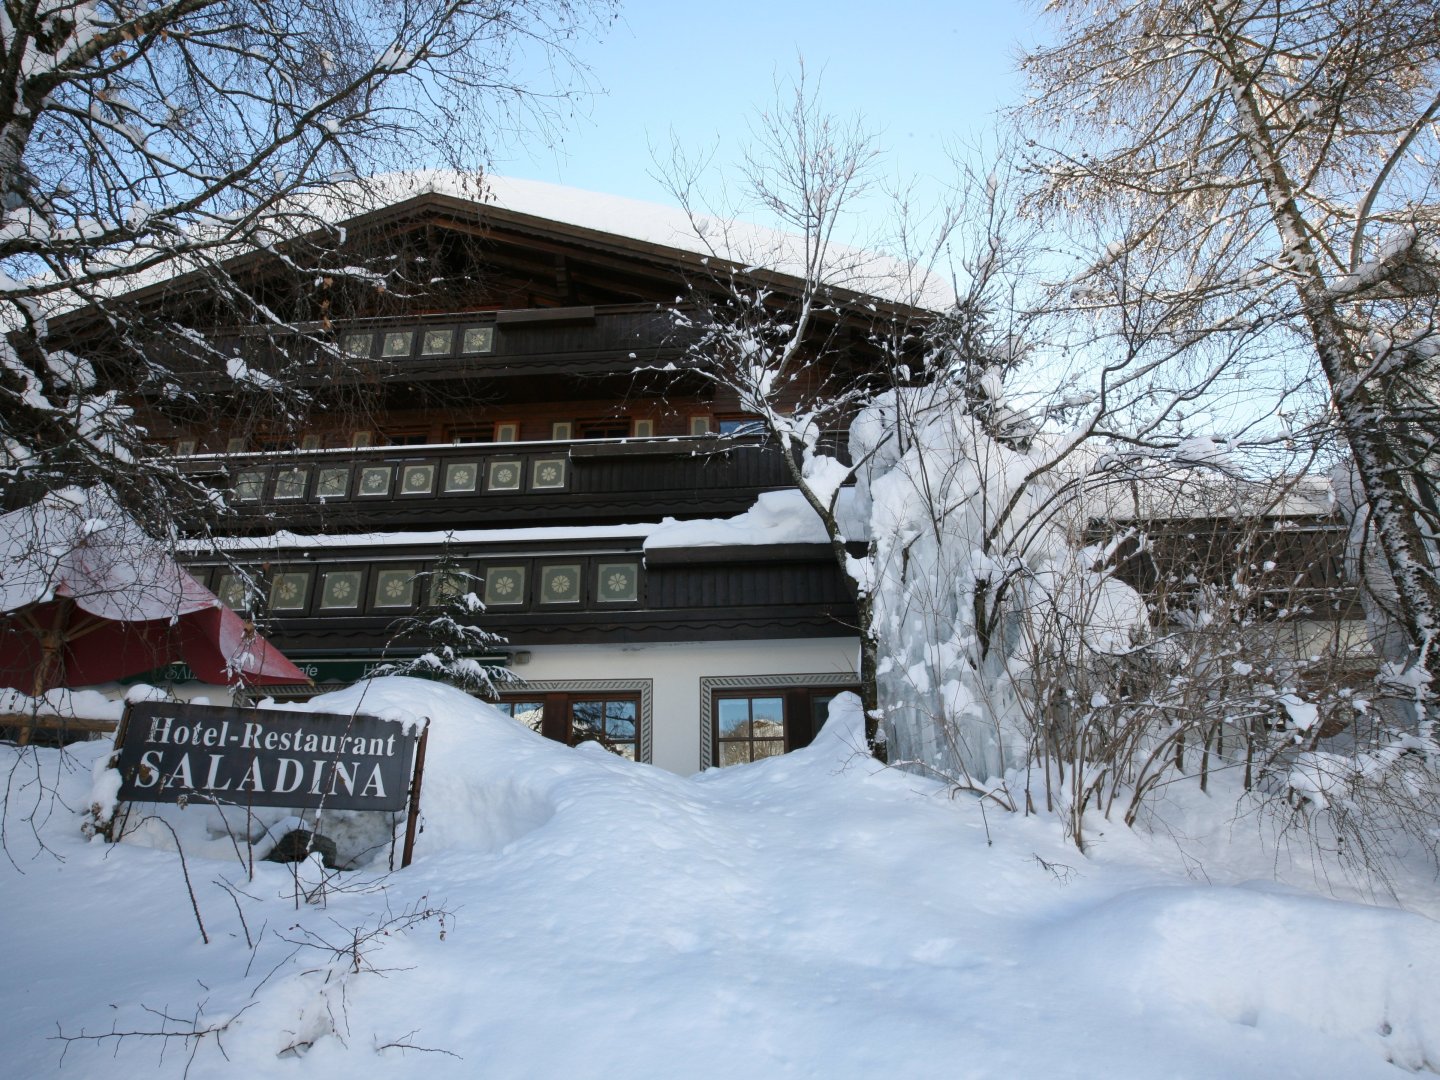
(478, 339)
(290, 484)
(461, 476)
(504, 476)
(333, 483)
(617, 582)
(626, 750)
(397, 343)
(374, 480)
(529, 713)
(734, 753)
(417, 479)
(587, 719)
(358, 344)
(505, 585)
(436, 342)
(548, 473)
(769, 748)
(768, 716)
(620, 720)
(394, 588)
(734, 717)
(340, 589)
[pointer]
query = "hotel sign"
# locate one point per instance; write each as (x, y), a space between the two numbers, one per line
(263, 757)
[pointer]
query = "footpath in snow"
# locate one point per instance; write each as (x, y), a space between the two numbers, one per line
(570, 914)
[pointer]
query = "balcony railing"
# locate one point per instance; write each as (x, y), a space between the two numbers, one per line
(483, 484)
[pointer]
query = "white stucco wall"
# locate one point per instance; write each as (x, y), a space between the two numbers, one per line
(676, 670)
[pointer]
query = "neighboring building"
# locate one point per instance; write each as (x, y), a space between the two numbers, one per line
(527, 419)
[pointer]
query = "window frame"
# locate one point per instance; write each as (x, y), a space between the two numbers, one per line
(799, 691)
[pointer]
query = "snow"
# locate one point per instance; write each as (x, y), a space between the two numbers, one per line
(78, 543)
(778, 517)
(572, 914)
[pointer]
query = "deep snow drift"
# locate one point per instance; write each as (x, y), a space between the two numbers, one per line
(570, 914)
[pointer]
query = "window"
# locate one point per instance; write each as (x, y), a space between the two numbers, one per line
(404, 438)
(362, 439)
(508, 432)
(699, 425)
(358, 344)
(741, 425)
(749, 717)
(644, 429)
(613, 428)
(473, 433)
(236, 444)
(310, 442)
(561, 429)
(478, 339)
(616, 713)
(748, 728)
(184, 447)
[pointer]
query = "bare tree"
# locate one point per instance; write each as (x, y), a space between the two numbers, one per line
(1265, 175)
(166, 142)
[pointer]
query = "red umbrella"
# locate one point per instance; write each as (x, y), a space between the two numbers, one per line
(87, 598)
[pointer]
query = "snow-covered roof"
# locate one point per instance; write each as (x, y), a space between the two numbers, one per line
(79, 544)
(746, 244)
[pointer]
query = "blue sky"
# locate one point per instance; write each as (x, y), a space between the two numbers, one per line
(925, 75)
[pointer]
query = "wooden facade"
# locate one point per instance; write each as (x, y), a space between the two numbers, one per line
(527, 418)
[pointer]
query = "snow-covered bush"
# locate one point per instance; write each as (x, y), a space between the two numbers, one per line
(976, 581)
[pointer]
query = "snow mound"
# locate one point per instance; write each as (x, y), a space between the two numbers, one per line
(1262, 958)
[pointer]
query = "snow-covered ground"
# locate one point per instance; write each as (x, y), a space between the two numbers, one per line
(808, 916)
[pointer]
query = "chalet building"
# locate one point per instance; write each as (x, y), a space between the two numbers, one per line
(525, 419)
(513, 404)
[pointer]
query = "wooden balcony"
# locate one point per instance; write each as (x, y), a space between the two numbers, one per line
(482, 485)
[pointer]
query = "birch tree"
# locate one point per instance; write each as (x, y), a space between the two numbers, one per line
(162, 140)
(1273, 167)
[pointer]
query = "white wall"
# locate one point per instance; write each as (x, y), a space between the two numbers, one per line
(676, 670)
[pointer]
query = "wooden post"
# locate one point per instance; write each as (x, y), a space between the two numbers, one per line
(412, 817)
